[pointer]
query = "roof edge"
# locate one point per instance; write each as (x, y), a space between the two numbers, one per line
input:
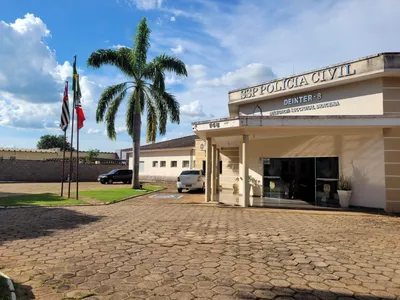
(317, 69)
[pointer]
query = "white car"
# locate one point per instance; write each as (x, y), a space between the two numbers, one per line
(191, 180)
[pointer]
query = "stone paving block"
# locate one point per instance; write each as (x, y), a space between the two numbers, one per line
(151, 249)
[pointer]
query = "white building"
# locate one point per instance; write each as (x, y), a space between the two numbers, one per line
(291, 139)
(164, 161)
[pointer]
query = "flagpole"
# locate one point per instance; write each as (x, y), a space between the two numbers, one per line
(70, 155)
(72, 136)
(64, 127)
(77, 154)
(63, 163)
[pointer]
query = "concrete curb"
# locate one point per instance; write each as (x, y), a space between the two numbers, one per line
(74, 205)
(47, 206)
(133, 197)
(10, 286)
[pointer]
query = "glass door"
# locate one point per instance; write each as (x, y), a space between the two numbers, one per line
(327, 175)
(273, 185)
(290, 178)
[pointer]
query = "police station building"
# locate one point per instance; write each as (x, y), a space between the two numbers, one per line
(292, 139)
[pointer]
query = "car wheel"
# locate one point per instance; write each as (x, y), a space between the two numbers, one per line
(203, 189)
(110, 181)
(102, 182)
(124, 182)
(179, 191)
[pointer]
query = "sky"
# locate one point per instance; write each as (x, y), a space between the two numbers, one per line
(225, 44)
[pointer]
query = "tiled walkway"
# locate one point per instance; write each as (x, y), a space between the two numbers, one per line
(177, 249)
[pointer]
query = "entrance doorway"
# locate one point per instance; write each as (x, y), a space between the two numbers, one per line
(312, 180)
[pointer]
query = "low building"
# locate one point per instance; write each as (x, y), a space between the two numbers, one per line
(164, 161)
(291, 139)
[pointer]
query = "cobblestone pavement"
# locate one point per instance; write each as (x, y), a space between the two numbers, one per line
(176, 249)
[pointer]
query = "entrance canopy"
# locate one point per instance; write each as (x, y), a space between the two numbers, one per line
(268, 126)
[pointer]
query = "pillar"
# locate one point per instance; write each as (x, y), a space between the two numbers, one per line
(391, 141)
(208, 170)
(218, 170)
(214, 173)
(245, 199)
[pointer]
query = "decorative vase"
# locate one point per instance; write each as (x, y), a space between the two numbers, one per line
(344, 198)
(235, 188)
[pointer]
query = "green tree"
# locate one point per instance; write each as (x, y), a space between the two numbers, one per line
(92, 155)
(50, 141)
(145, 91)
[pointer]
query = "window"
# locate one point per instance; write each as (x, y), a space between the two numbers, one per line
(141, 166)
(155, 164)
(174, 164)
(185, 164)
(194, 164)
(163, 164)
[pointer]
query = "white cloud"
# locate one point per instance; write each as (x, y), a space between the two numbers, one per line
(7, 146)
(118, 129)
(93, 131)
(27, 63)
(146, 4)
(193, 109)
(178, 49)
(173, 19)
(303, 35)
(31, 96)
(171, 80)
(248, 75)
(118, 46)
(20, 114)
(196, 71)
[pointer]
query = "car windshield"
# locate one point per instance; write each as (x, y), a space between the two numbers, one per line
(112, 172)
(191, 172)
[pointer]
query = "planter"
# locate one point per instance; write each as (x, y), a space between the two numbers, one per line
(344, 198)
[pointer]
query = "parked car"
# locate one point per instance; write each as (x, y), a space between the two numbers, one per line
(191, 180)
(117, 175)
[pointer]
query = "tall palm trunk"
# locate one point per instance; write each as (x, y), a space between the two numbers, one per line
(137, 124)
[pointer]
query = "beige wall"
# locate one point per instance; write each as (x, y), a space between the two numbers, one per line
(391, 105)
(27, 155)
(147, 157)
(230, 163)
(230, 167)
(360, 156)
(360, 98)
(392, 169)
(200, 154)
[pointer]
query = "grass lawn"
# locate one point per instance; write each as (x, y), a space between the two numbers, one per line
(4, 291)
(37, 199)
(118, 194)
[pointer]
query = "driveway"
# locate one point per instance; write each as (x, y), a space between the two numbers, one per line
(149, 248)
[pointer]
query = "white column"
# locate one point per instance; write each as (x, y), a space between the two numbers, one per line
(191, 159)
(218, 170)
(245, 199)
(214, 173)
(208, 170)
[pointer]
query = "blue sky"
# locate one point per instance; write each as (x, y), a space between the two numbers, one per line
(225, 45)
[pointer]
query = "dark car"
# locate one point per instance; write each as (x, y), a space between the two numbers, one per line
(124, 176)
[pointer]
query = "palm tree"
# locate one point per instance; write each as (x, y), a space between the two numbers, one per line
(147, 92)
